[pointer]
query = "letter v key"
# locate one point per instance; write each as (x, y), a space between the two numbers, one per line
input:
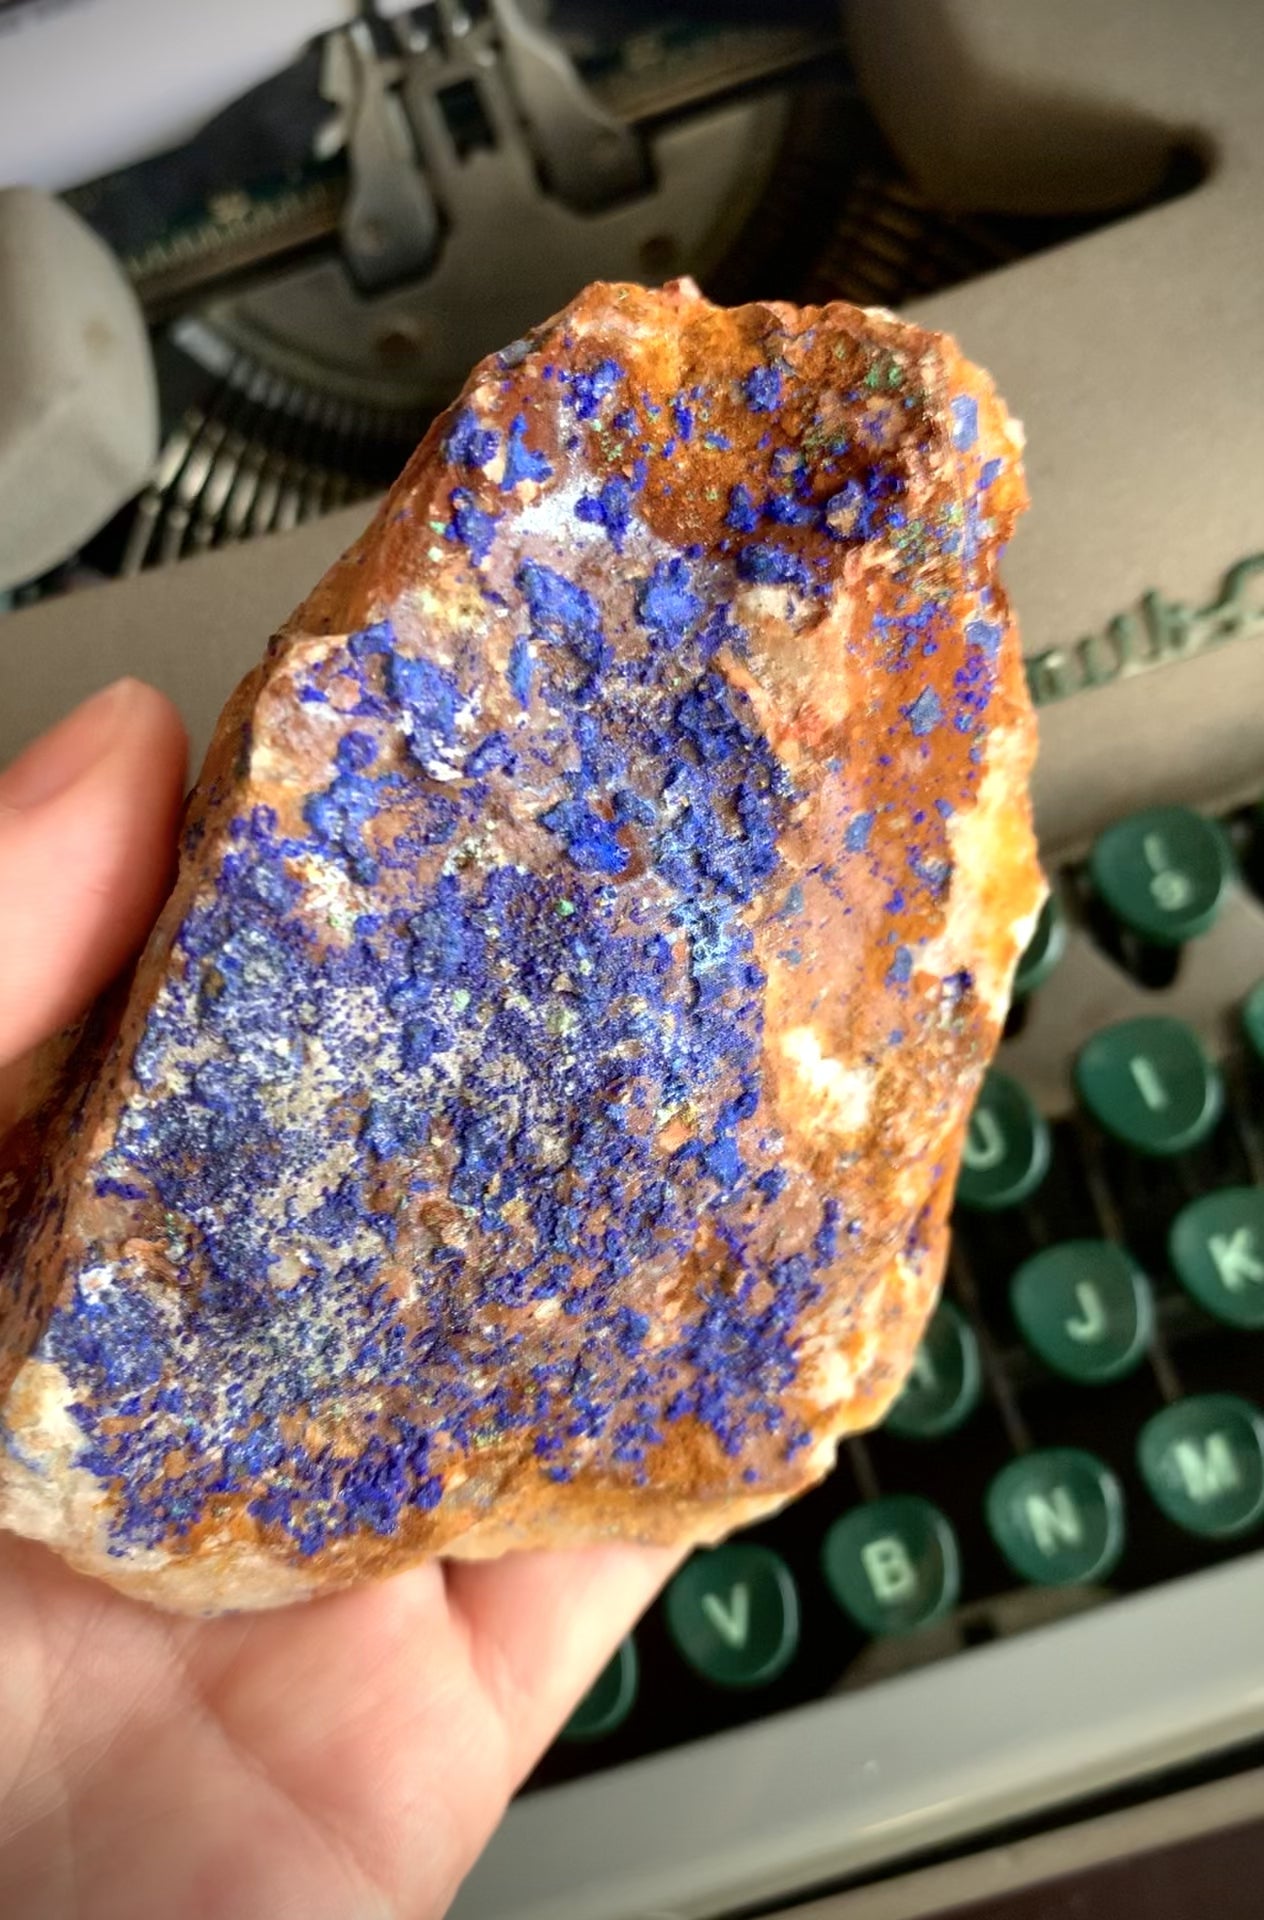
(733, 1614)
(730, 1619)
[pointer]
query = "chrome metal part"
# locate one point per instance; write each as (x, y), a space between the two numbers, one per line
(589, 157)
(390, 228)
(488, 183)
(512, 254)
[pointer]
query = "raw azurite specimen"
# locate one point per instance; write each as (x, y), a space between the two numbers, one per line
(535, 1114)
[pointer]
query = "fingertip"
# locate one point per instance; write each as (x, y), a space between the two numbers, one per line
(140, 698)
(127, 715)
(552, 1618)
(148, 723)
(88, 817)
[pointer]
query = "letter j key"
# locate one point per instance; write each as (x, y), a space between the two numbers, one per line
(1086, 1308)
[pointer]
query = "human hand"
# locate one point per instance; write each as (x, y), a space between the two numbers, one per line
(344, 1758)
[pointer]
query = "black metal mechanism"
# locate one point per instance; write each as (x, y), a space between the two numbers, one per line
(324, 260)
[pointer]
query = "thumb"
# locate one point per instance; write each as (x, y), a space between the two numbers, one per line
(87, 829)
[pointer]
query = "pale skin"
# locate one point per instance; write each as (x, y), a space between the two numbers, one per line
(342, 1760)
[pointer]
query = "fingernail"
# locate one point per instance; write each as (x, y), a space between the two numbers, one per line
(58, 758)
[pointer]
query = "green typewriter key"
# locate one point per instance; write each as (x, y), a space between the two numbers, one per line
(1163, 873)
(1253, 1021)
(893, 1564)
(942, 1389)
(1006, 1151)
(733, 1614)
(1044, 949)
(1203, 1461)
(609, 1700)
(1086, 1308)
(1058, 1517)
(1216, 1246)
(1148, 1083)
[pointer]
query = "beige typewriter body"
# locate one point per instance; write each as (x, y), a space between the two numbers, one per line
(1135, 359)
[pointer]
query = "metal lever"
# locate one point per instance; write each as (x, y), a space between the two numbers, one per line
(589, 158)
(390, 225)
